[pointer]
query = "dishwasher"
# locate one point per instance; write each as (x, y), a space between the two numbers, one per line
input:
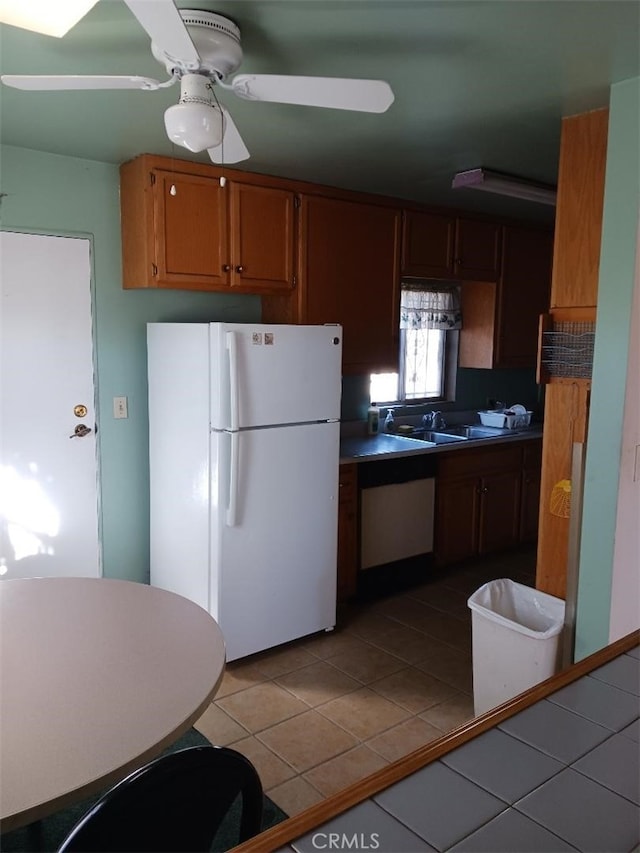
(396, 509)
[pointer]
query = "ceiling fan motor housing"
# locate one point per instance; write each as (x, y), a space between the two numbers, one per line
(215, 38)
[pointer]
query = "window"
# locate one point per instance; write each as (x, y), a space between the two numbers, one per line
(429, 318)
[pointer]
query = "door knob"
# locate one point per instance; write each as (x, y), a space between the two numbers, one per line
(226, 267)
(80, 431)
(240, 268)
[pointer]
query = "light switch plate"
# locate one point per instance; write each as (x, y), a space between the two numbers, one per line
(120, 409)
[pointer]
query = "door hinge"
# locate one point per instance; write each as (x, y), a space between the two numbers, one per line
(154, 269)
(152, 178)
(296, 201)
(295, 280)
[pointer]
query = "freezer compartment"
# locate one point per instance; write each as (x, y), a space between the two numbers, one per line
(273, 576)
(272, 375)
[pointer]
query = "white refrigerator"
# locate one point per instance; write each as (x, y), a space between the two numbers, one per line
(244, 431)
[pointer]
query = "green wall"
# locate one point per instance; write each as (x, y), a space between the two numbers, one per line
(615, 292)
(63, 195)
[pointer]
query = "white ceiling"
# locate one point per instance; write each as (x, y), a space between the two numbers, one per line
(476, 83)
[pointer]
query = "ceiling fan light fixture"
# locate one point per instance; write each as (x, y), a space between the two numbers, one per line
(194, 126)
(501, 184)
(43, 16)
(194, 123)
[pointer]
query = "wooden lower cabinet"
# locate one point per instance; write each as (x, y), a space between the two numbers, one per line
(347, 532)
(481, 502)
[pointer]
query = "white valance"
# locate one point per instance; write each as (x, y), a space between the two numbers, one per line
(425, 307)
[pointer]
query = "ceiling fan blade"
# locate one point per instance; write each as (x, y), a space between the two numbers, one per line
(42, 83)
(369, 96)
(232, 149)
(162, 21)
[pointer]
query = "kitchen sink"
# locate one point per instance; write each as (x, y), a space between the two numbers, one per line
(474, 432)
(437, 437)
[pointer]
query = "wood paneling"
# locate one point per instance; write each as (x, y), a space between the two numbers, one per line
(574, 292)
(583, 153)
(566, 409)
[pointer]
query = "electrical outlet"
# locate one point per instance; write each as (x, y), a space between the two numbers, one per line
(120, 407)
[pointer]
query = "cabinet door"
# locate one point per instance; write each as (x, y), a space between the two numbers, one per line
(499, 510)
(456, 524)
(523, 294)
(262, 238)
(191, 231)
(477, 250)
(347, 533)
(349, 275)
(427, 244)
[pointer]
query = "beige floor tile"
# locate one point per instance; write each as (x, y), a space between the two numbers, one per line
(333, 643)
(366, 663)
(413, 689)
(295, 796)
(239, 676)
(282, 660)
(317, 683)
(271, 769)
(451, 666)
(450, 714)
(261, 706)
(406, 643)
(443, 598)
(363, 713)
(307, 740)
(338, 773)
(403, 739)
(218, 727)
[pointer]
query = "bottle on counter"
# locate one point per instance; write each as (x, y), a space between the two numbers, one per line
(373, 419)
(389, 423)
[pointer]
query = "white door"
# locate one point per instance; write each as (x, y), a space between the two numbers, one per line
(277, 374)
(48, 480)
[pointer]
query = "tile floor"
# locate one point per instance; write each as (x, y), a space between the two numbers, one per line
(323, 712)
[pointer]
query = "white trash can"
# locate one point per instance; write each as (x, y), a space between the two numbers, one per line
(516, 633)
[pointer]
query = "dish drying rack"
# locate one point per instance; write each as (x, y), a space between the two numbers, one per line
(565, 347)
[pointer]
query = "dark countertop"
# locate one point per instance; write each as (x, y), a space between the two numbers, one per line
(387, 446)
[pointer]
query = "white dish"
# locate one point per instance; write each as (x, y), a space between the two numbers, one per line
(517, 409)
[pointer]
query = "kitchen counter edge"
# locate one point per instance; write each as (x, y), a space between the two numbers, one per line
(375, 448)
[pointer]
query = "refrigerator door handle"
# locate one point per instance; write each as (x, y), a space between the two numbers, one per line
(232, 347)
(232, 507)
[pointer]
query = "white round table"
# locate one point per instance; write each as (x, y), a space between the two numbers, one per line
(97, 677)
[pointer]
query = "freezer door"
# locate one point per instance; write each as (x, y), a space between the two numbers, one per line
(274, 559)
(267, 375)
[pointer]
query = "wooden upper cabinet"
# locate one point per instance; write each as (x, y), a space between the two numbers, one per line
(349, 275)
(191, 232)
(262, 237)
(500, 319)
(523, 294)
(427, 244)
(581, 176)
(477, 250)
(182, 230)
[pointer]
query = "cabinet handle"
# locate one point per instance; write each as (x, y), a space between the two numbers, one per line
(240, 268)
(485, 490)
(226, 267)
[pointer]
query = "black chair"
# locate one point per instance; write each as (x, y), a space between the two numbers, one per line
(175, 803)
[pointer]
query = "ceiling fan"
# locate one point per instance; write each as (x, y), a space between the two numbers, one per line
(200, 50)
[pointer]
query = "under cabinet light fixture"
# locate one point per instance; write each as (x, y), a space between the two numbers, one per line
(43, 16)
(495, 182)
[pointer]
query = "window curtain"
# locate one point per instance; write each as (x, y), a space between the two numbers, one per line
(430, 308)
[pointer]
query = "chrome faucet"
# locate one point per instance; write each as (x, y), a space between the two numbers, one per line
(433, 420)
